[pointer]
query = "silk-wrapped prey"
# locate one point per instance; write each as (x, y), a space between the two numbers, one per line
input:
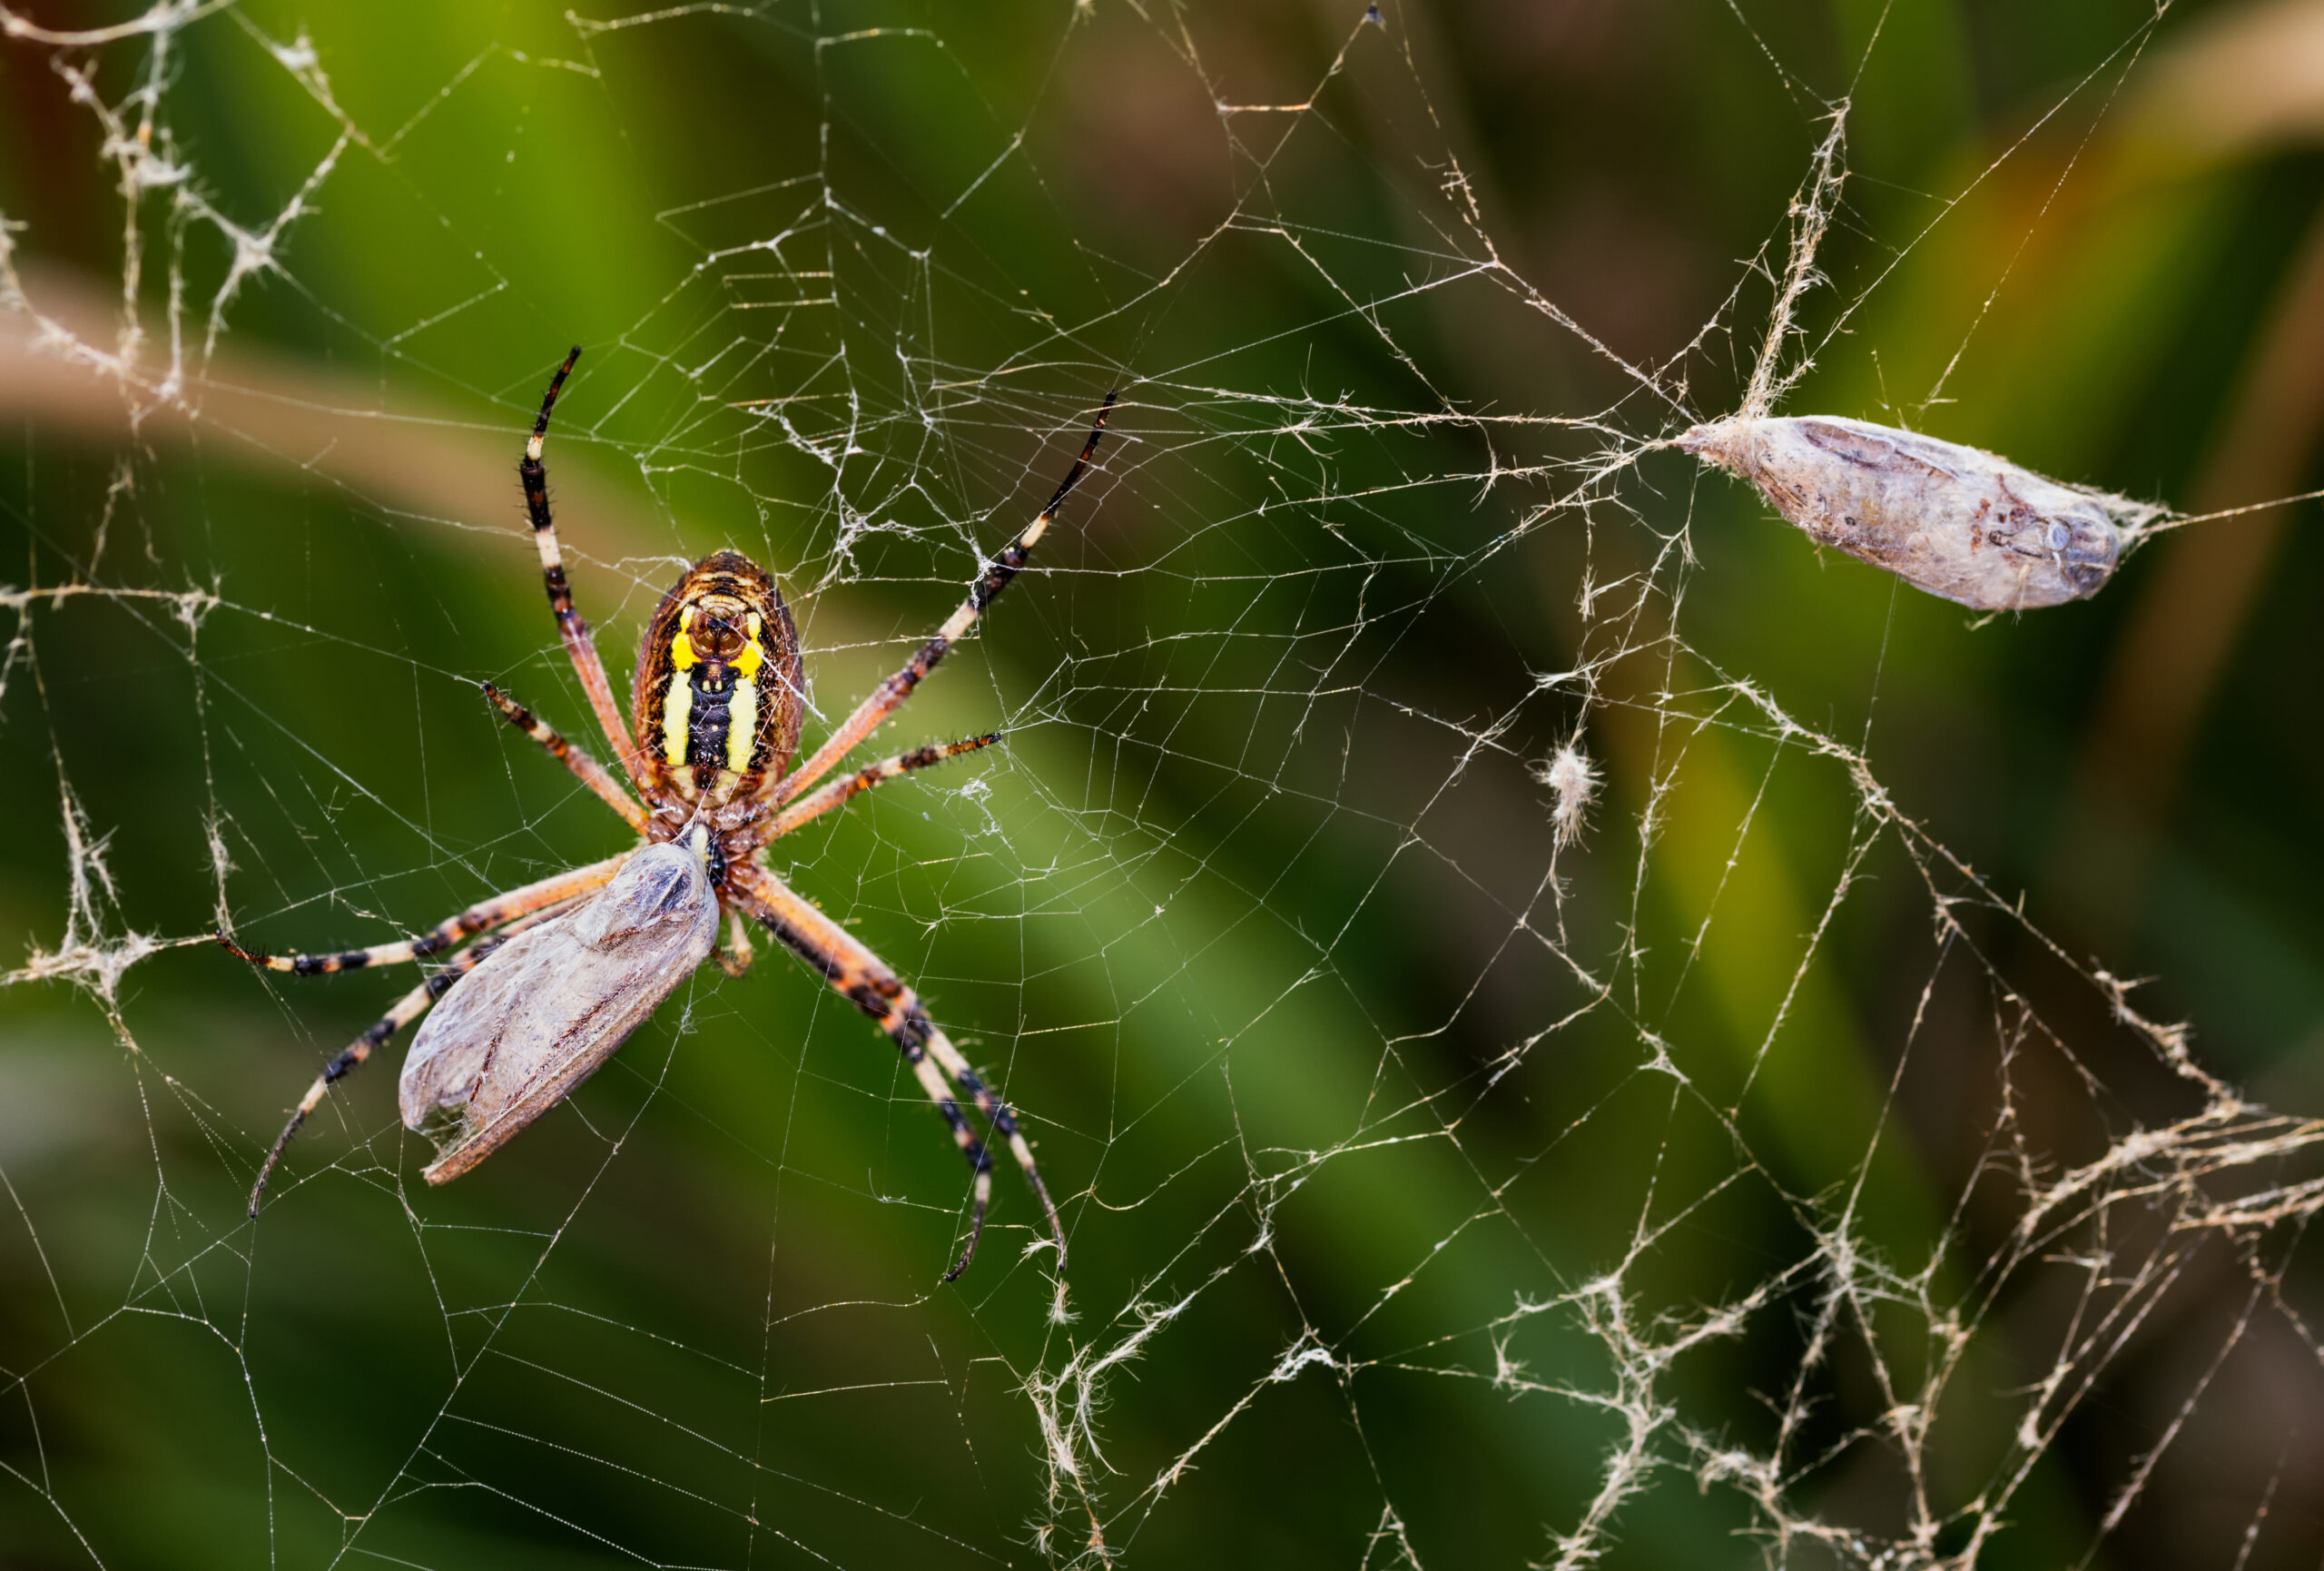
(1957, 521)
(517, 1034)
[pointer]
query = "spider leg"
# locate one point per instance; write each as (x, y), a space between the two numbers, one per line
(452, 930)
(735, 957)
(890, 694)
(865, 980)
(408, 1008)
(830, 796)
(578, 643)
(586, 769)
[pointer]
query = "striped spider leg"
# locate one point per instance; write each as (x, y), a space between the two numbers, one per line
(582, 958)
(585, 768)
(889, 696)
(408, 1008)
(511, 913)
(850, 967)
(533, 474)
(534, 902)
(864, 980)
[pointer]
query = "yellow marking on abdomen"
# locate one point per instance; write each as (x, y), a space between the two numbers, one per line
(677, 708)
(741, 722)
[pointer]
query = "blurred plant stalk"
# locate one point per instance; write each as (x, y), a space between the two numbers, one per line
(273, 410)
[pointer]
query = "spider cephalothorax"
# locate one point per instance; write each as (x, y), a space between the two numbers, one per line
(575, 961)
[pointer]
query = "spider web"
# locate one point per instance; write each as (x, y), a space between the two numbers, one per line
(1533, 992)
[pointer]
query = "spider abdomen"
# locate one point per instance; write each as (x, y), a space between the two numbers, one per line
(716, 702)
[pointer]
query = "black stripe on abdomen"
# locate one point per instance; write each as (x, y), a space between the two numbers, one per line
(710, 718)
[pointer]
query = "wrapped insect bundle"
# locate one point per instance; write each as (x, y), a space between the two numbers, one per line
(1957, 521)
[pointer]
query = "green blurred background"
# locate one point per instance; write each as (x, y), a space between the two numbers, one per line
(1351, 1080)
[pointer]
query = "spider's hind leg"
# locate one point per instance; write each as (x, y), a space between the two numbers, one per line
(408, 1008)
(866, 982)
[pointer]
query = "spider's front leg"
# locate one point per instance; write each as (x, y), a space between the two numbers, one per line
(578, 644)
(866, 982)
(998, 573)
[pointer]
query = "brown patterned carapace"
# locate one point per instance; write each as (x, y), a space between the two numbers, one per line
(718, 694)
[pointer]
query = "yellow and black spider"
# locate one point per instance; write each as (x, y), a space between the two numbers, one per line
(574, 963)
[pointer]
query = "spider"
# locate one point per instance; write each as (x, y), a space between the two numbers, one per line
(567, 967)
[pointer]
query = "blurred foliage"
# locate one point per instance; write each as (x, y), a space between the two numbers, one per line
(851, 277)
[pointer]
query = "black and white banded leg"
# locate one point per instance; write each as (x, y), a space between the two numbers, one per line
(890, 694)
(578, 643)
(584, 766)
(376, 1035)
(865, 981)
(445, 935)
